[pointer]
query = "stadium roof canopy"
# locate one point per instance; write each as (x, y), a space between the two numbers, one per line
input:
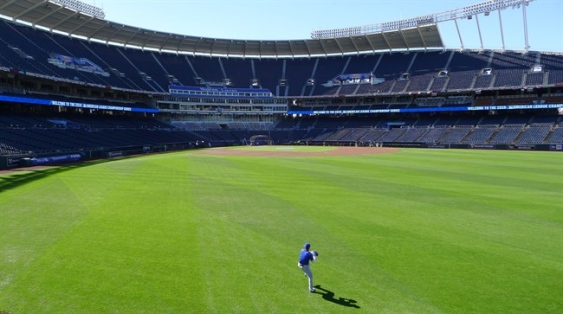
(58, 16)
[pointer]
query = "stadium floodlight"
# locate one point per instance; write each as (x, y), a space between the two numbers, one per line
(82, 7)
(467, 12)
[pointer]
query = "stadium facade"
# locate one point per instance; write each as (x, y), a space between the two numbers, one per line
(75, 85)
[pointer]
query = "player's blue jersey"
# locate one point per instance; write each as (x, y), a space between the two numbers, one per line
(305, 257)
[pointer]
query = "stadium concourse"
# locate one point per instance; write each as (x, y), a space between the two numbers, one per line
(76, 86)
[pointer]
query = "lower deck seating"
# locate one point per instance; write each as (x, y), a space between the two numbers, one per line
(21, 133)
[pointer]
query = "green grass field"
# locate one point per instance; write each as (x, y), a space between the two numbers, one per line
(418, 231)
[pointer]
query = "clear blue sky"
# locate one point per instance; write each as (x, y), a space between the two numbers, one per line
(296, 19)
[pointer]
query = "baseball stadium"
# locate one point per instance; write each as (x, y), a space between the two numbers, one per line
(143, 171)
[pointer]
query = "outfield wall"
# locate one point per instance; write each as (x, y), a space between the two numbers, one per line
(537, 147)
(45, 159)
(19, 161)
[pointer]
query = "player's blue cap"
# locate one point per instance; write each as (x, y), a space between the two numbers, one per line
(307, 245)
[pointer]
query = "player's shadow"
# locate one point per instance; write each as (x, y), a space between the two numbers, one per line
(329, 296)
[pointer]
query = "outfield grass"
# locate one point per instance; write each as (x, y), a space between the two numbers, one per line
(419, 231)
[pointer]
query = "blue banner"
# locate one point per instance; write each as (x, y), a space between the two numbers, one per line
(429, 109)
(54, 159)
(46, 102)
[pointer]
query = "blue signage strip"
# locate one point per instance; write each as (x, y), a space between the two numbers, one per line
(54, 159)
(46, 102)
(429, 109)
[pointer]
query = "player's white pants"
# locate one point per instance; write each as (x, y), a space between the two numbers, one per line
(307, 270)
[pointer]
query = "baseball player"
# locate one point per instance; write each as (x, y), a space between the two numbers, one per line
(304, 258)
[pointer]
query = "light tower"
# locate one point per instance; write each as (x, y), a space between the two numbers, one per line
(471, 12)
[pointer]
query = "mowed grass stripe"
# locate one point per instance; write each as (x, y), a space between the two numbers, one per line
(30, 223)
(425, 231)
(249, 262)
(130, 253)
(253, 206)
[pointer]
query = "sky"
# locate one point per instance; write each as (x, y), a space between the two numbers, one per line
(297, 19)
